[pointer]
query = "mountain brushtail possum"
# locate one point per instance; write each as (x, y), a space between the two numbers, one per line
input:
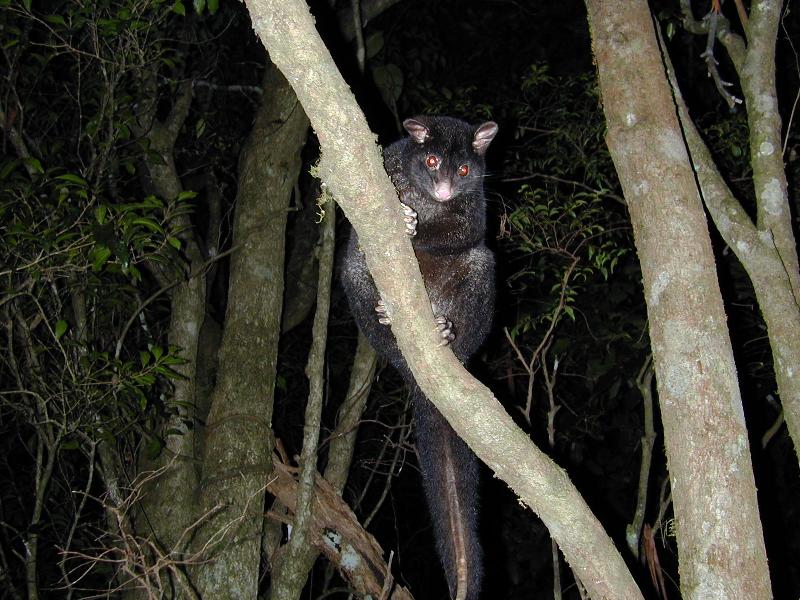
(438, 172)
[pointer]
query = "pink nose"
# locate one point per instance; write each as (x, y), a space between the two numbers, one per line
(442, 190)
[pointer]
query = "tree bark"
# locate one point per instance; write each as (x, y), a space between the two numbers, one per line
(168, 506)
(238, 440)
(720, 540)
(351, 166)
(766, 249)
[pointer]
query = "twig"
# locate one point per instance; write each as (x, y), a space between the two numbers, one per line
(550, 384)
(252, 89)
(388, 483)
(528, 364)
(202, 269)
(76, 518)
(556, 570)
(644, 381)
(711, 62)
(7, 123)
(790, 120)
(578, 184)
(715, 26)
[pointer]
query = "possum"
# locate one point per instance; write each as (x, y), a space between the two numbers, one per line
(438, 171)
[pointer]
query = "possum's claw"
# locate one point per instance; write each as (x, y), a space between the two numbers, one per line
(444, 327)
(383, 314)
(410, 218)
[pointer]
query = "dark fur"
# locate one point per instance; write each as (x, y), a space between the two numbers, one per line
(458, 270)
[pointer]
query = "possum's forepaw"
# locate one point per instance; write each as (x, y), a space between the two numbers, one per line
(383, 314)
(410, 218)
(444, 327)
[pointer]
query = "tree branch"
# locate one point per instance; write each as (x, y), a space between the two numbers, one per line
(336, 533)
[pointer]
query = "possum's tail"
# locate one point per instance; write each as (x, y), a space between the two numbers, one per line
(450, 474)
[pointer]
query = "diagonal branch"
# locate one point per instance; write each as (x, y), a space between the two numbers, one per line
(351, 166)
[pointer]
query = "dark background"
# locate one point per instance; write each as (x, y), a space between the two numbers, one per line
(475, 60)
(555, 209)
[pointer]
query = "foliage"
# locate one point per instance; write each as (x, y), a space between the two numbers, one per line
(84, 358)
(566, 234)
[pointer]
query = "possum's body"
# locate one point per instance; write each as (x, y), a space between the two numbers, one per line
(438, 172)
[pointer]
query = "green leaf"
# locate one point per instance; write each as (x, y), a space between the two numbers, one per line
(149, 223)
(153, 448)
(199, 6)
(100, 213)
(124, 132)
(34, 164)
(373, 44)
(56, 20)
(389, 79)
(281, 384)
(174, 242)
(213, 6)
(144, 357)
(70, 445)
(179, 8)
(186, 195)
(101, 254)
(61, 328)
(145, 379)
(134, 272)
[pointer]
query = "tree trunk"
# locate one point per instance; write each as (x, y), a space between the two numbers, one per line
(351, 166)
(778, 291)
(720, 541)
(766, 249)
(167, 505)
(238, 434)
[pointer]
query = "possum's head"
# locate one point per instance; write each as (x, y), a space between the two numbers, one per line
(447, 155)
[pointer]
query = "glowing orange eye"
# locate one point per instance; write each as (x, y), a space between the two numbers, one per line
(431, 161)
(463, 170)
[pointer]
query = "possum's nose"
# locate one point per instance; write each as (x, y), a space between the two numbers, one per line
(442, 190)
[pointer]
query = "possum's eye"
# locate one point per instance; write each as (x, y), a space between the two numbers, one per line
(463, 170)
(432, 161)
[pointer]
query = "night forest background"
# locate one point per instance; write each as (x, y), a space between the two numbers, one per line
(86, 231)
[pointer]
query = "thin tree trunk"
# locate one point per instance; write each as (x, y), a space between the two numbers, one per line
(291, 571)
(766, 249)
(720, 540)
(352, 168)
(167, 504)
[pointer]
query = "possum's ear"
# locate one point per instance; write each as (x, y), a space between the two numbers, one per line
(419, 131)
(483, 137)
